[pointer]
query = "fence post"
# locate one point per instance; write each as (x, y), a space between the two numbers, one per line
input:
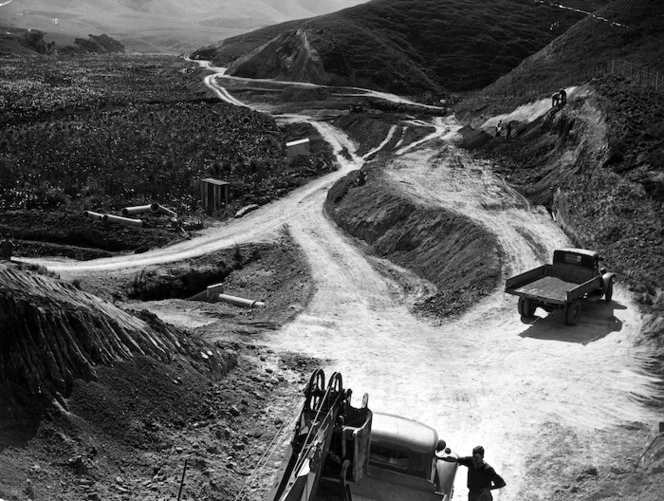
(647, 76)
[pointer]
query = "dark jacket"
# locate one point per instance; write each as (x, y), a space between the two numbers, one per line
(481, 477)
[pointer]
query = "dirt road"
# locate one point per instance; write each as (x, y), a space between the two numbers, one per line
(535, 395)
(486, 378)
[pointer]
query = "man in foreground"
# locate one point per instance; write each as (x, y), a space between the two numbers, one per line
(482, 478)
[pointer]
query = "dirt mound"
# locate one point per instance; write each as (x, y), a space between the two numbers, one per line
(450, 251)
(54, 333)
(128, 431)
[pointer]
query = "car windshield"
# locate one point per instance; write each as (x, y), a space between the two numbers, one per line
(408, 462)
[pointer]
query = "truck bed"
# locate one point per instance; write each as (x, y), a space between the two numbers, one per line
(553, 284)
(551, 288)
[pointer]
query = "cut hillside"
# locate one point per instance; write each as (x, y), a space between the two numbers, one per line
(597, 164)
(403, 46)
(437, 246)
(630, 31)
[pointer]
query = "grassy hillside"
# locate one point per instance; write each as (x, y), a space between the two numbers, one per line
(413, 45)
(631, 30)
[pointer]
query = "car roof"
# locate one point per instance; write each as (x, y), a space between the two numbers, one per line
(585, 252)
(402, 433)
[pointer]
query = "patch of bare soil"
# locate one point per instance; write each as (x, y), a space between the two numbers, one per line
(128, 434)
(450, 251)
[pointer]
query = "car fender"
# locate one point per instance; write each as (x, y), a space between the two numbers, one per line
(608, 278)
(445, 471)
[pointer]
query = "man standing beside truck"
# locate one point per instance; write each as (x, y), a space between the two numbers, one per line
(482, 478)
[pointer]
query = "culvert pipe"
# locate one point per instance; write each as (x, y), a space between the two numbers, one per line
(93, 215)
(138, 209)
(160, 209)
(124, 221)
(239, 301)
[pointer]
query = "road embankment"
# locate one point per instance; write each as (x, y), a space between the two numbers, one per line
(456, 255)
(594, 164)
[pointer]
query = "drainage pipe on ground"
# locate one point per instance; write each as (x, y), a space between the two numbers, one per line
(138, 209)
(124, 221)
(157, 208)
(239, 301)
(93, 215)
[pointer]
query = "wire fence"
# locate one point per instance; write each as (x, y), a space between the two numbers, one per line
(637, 75)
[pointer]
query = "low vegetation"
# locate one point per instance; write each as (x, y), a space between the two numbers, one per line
(104, 132)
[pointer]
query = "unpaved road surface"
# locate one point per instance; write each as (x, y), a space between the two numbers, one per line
(486, 378)
(523, 390)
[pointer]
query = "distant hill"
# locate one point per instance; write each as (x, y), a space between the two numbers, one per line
(158, 25)
(625, 30)
(22, 41)
(402, 45)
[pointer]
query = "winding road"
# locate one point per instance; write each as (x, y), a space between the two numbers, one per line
(485, 378)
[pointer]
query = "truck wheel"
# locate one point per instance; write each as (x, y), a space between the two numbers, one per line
(608, 294)
(527, 308)
(572, 312)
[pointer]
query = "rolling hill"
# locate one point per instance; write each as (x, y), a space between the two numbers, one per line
(158, 25)
(631, 30)
(406, 46)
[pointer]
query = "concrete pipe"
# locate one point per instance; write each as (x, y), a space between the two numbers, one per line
(93, 215)
(124, 221)
(156, 208)
(138, 209)
(238, 301)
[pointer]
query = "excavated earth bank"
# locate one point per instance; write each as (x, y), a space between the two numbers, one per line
(126, 399)
(597, 164)
(457, 256)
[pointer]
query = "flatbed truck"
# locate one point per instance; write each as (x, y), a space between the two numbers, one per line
(575, 274)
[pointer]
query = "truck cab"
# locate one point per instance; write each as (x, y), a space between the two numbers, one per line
(403, 464)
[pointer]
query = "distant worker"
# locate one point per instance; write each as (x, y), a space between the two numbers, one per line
(499, 128)
(6, 249)
(563, 97)
(482, 478)
(508, 130)
(555, 99)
